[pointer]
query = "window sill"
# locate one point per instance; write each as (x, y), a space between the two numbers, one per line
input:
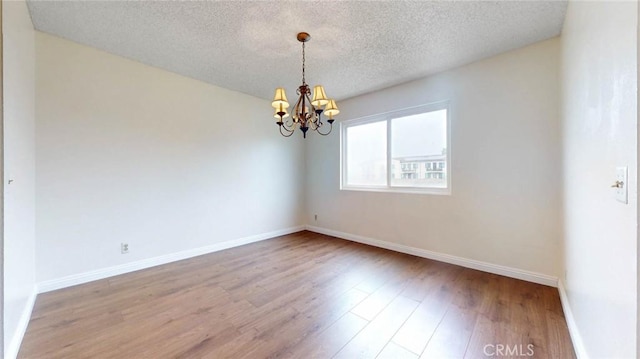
(408, 190)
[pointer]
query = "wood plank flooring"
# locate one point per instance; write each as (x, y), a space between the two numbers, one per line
(303, 295)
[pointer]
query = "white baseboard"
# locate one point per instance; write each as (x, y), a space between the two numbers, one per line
(80, 278)
(13, 347)
(447, 258)
(576, 338)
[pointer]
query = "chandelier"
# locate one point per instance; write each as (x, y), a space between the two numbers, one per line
(307, 112)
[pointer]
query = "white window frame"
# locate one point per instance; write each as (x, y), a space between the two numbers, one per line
(388, 116)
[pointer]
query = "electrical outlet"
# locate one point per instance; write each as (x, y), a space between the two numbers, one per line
(315, 217)
(124, 248)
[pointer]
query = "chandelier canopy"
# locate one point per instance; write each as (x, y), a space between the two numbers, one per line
(307, 112)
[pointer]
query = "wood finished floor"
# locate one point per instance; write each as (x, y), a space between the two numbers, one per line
(303, 295)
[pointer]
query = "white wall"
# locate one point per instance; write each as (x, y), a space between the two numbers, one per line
(599, 95)
(505, 203)
(19, 162)
(130, 153)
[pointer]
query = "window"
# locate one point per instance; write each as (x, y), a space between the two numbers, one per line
(412, 143)
(366, 154)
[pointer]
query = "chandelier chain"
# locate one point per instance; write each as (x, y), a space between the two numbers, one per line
(303, 60)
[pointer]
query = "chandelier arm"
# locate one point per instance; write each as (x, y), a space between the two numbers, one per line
(313, 108)
(313, 118)
(287, 133)
(289, 126)
(315, 124)
(297, 109)
(324, 134)
(310, 123)
(288, 122)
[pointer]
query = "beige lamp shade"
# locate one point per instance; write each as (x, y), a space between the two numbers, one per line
(319, 97)
(280, 98)
(331, 109)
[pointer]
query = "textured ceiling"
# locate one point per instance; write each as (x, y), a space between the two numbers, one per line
(251, 46)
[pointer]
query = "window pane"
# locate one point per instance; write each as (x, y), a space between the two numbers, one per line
(367, 154)
(418, 150)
